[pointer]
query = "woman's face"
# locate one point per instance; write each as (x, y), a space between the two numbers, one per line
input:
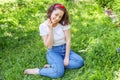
(56, 15)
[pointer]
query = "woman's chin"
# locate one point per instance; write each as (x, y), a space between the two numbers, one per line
(54, 22)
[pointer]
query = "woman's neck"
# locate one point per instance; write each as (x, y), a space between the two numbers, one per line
(54, 25)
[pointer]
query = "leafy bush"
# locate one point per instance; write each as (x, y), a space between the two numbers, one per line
(105, 3)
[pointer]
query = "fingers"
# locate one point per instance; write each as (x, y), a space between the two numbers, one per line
(66, 62)
(49, 21)
(49, 24)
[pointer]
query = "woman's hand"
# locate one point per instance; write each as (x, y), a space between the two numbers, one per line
(66, 61)
(50, 25)
(48, 39)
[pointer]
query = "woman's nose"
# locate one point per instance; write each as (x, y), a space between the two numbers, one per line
(57, 18)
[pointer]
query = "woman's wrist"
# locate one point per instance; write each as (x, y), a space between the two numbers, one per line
(51, 30)
(66, 56)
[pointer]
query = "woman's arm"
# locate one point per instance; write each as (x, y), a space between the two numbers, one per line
(48, 39)
(68, 44)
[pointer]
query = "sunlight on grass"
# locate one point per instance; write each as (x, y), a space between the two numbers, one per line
(117, 75)
(92, 43)
(6, 1)
(74, 29)
(92, 33)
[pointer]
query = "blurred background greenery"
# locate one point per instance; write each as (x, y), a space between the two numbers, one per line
(94, 36)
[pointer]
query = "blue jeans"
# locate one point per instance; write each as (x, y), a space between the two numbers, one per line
(55, 58)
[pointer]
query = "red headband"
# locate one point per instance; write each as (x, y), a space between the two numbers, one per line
(59, 6)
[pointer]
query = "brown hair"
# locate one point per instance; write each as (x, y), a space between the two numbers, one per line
(65, 19)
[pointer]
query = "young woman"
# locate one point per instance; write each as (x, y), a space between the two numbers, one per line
(55, 32)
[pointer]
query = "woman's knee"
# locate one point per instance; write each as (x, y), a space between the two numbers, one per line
(78, 63)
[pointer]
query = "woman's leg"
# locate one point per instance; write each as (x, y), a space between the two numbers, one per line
(76, 61)
(56, 66)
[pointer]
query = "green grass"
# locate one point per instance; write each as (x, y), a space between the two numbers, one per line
(21, 47)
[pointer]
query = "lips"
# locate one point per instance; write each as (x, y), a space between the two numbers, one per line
(54, 21)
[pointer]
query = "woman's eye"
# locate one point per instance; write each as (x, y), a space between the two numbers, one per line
(60, 16)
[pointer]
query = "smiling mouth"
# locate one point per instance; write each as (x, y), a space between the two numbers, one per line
(54, 20)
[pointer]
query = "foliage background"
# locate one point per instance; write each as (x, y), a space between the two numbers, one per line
(21, 46)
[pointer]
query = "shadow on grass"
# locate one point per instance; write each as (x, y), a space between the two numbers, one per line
(19, 39)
